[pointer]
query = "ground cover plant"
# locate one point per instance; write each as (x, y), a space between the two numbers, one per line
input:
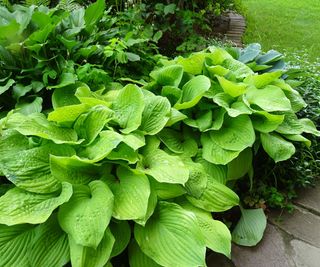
(43, 48)
(121, 162)
(286, 25)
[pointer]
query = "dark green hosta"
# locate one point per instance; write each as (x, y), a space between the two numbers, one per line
(142, 167)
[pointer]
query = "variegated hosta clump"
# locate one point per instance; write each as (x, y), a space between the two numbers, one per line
(142, 167)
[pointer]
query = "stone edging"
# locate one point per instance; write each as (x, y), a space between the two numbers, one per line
(237, 27)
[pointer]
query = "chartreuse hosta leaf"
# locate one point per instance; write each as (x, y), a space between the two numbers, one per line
(214, 153)
(249, 230)
(122, 233)
(218, 172)
(50, 245)
(164, 167)
(124, 152)
(197, 181)
(265, 122)
(178, 143)
(276, 147)
(309, 127)
(215, 198)
(87, 215)
(135, 140)
(128, 108)
(102, 146)
(232, 88)
(170, 75)
(217, 235)
(155, 114)
(194, 63)
(15, 244)
(74, 170)
(30, 170)
(89, 257)
(152, 203)
(67, 115)
(193, 91)
(36, 124)
(236, 134)
(270, 98)
(90, 124)
(137, 258)
(12, 142)
(241, 165)
(131, 193)
(18, 206)
(175, 116)
(260, 81)
(234, 108)
(164, 237)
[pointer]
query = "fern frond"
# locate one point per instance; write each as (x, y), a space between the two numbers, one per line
(37, 2)
(68, 5)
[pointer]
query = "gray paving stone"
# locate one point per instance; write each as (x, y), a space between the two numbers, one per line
(310, 198)
(301, 224)
(270, 252)
(305, 255)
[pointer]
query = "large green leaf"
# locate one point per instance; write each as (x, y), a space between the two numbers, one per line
(276, 147)
(265, 122)
(15, 244)
(270, 98)
(164, 237)
(135, 140)
(234, 108)
(18, 206)
(309, 127)
(241, 165)
(128, 108)
(30, 170)
(178, 143)
(50, 246)
(216, 197)
(131, 193)
(197, 181)
(290, 125)
(87, 215)
(102, 146)
(249, 230)
(90, 257)
(155, 115)
(67, 114)
(217, 172)
(6, 87)
(231, 88)
(12, 142)
(122, 233)
(217, 235)
(89, 125)
(73, 170)
(93, 14)
(260, 81)
(194, 63)
(193, 91)
(137, 258)
(170, 75)
(36, 124)
(214, 153)
(166, 190)
(236, 134)
(124, 152)
(164, 167)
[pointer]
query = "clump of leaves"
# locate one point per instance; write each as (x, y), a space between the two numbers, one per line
(277, 184)
(140, 167)
(42, 48)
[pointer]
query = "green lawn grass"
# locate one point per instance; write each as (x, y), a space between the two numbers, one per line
(289, 26)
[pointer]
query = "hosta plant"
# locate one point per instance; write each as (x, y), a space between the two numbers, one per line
(143, 167)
